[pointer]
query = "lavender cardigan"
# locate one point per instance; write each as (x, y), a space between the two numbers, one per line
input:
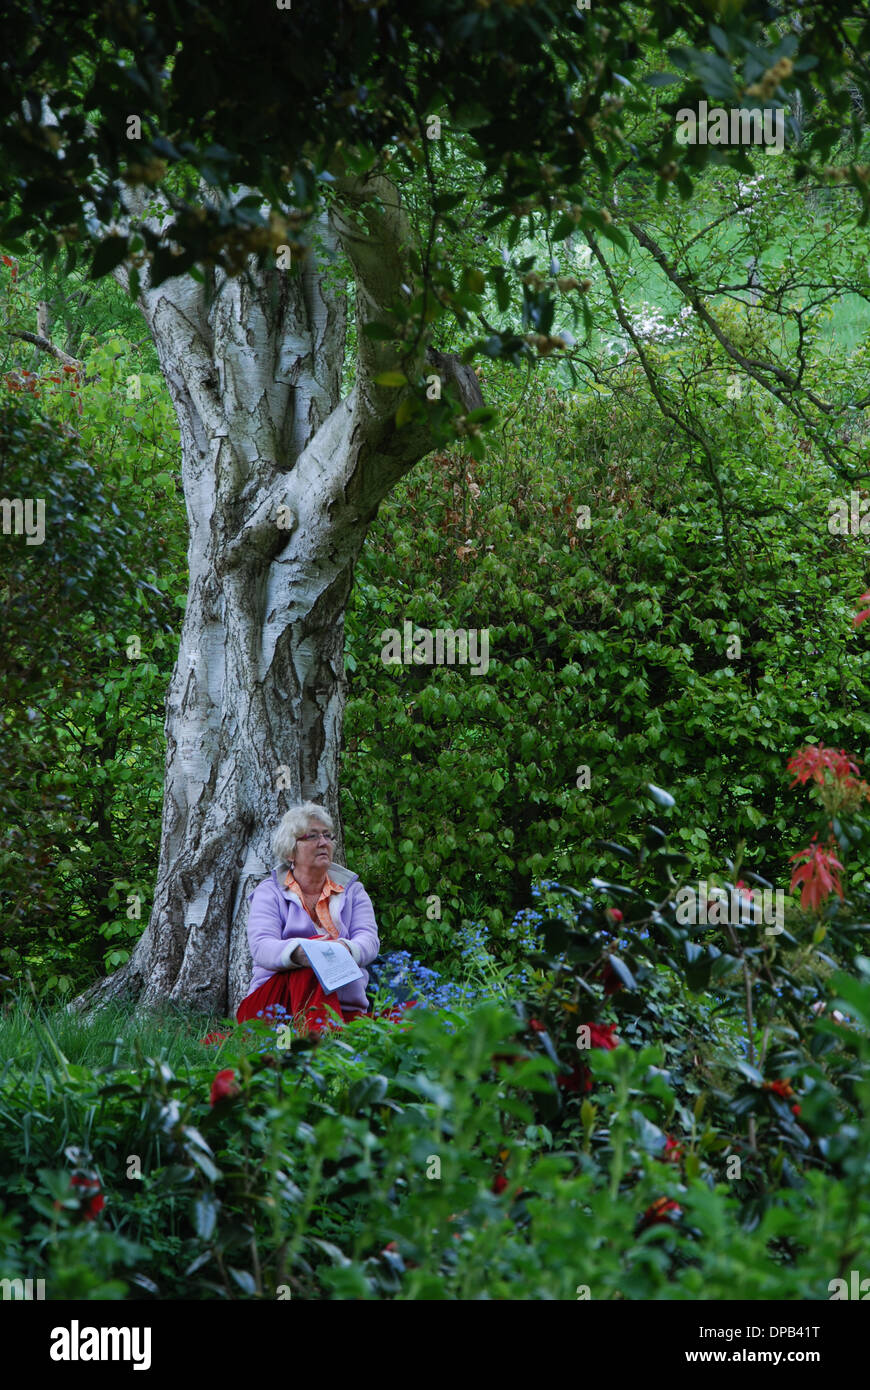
(277, 917)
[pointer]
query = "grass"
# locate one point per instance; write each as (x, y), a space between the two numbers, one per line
(32, 1035)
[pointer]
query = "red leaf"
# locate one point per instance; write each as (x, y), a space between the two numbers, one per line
(816, 878)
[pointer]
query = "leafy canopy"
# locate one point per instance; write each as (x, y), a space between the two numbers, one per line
(540, 94)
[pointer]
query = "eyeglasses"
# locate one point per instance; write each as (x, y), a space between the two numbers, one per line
(315, 835)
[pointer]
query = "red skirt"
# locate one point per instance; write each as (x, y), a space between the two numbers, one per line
(301, 995)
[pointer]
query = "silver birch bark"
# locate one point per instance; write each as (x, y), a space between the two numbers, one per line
(254, 709)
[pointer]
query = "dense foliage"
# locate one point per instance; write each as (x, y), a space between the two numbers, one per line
(89, 619)
(610, 648)
(546, 93)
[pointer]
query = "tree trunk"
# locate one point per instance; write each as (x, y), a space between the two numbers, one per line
(282, 479)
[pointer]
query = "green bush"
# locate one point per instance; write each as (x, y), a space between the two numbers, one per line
(89, 641)
(610, 649)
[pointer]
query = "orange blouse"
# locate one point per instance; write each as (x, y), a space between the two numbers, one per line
(322, 920)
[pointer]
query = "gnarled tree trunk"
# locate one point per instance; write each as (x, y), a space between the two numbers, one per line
(282, 478)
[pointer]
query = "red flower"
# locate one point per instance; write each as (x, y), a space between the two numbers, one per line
(538, 1027)
(795, 1110)
(499, 1184)
(579, 1078)
(659, 1213)
(813, 760)
(779, 1088)
(747, 892)
(224, 1086)
(96, 1202)
(816, 878)
(673, 1150)
(601, 1035)
(614, 914)
(214, 1038)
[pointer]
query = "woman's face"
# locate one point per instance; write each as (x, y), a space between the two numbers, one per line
(312, 852)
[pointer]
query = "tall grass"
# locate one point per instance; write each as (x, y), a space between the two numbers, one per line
(33, 1036)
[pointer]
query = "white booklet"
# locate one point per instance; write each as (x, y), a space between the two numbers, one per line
(331, 962)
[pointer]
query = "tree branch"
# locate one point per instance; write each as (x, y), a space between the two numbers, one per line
(753, 366)
(790, 386)
(458, 373)
(373, 229)
(46, 345)
(666, 410)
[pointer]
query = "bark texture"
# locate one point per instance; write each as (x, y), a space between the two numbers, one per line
(282, 478)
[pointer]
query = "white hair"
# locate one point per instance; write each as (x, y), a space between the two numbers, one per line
(294, 823)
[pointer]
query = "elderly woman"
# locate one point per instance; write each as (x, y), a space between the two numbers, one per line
(307, 896)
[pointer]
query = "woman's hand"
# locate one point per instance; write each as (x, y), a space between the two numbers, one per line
(300, 957)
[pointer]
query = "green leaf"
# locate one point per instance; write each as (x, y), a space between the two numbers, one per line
(407, 410)
(483, 415)
(443, 202)
(205, 1211)
(109, 253)
(369, 1090)
(546, 1043)
(659, 796)
(145, 1283)
(555, 934)
(202, 1161)
(649, 1135)
(616, 235)
(623, 972)
(629, 855)
(662, 79)
(391, 379)
(331, 1250)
